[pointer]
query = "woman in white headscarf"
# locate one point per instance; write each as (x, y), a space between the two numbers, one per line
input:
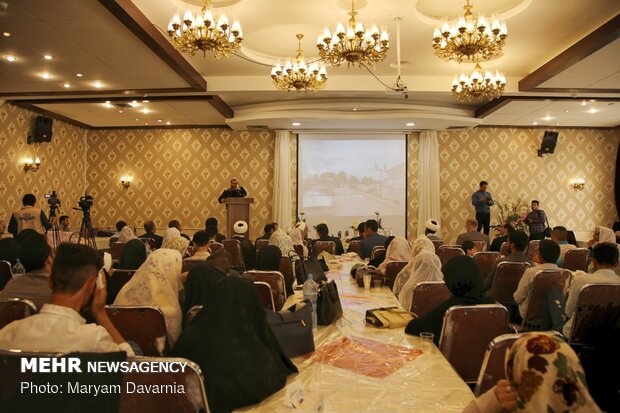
(602, 234)
(174, 241)
(297, 237)
(126, 234)
(157, 283)
(399, 250)
(422, 243)
(427, 267)
(282, 241)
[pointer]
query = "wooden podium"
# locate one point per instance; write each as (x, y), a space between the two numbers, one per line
(237, 209)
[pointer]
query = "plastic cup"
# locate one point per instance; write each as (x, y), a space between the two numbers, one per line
(377, 283)
(367, 281)
(427, 341)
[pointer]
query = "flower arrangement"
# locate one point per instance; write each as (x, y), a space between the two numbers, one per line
(512, 212)
(354, 225)
(378, 219)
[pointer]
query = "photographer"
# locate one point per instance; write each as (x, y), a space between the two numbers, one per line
(64, 223)
(29, 216)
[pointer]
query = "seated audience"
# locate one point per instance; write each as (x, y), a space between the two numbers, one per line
(150, 229)
(361, 227)
(119, 226)
(212, 222)
(268, 258)
(157, 283)
(323, 232)
(462, 277)
(544, 375)
(380, 255)
(560, 235)
(200, 283)
(241, 359)
(9, 250)
(268, 230)
(176, 224)
(471, 233)
(133, 255)
(431, 229)
(201, 246)
(36, 257)
(469, 248)
(298, 239)
(399, 250)
(602, 234)
(371, 238)
(422, 243)
(23, 237)
(175, 241)
(504, 230)
(282, 241)
(604, 263)
(517, 242)
(126, 235)
(63, 223)
(247, 248)
(301, 225)
(58, 327)
(427, 267)
(548, 254)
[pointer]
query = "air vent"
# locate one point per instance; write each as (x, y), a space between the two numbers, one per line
(122, 105)
(258, 127)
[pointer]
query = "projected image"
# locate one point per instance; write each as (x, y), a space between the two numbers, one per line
(343, 180)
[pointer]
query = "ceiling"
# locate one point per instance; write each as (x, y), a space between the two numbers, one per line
(119, 48)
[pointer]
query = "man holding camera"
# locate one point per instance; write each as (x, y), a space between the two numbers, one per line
(29, 217)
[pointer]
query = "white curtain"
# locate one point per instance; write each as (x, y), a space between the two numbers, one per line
(282, 199)
(428, 179)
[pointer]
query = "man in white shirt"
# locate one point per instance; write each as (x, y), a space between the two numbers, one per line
(560, 235)
(604, 262)
(548, 253)
(201, 246)
(58, 327)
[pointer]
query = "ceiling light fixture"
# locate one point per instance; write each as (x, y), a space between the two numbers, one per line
(108, 105)
(469, 38)
(296, 124)
(534, 123)
(145, 111)
(410, 124)
(167, 123)
(98, 85)
(48, 57)
(10, 58)
(204, 32)
(79, 74)
(592, 111)
(583, 103)
(547, 118)
(66, 85)
(478, 87)
(353, 44)
(6, 34)
(297, 75)
(45, 75)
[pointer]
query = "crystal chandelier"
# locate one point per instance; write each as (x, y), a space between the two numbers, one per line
(469, 38)
(478, 87)
(204, 32)
(353, 45)
(299, 76)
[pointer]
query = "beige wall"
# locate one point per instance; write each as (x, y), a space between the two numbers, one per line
(62, 163)
(507, 159)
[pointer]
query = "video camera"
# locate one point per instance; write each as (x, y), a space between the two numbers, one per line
(52, 199)
(85, 203)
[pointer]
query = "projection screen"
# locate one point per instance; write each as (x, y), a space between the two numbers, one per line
(345, 179)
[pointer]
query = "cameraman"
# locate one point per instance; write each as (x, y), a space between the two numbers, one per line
(64, 223)
(29, 216)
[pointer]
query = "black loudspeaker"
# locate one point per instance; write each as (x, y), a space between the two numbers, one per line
(43, 129)
(550, 139)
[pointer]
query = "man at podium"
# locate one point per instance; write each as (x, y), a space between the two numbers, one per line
(235, 191)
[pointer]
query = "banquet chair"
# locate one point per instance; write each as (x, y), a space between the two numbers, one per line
(507, 277)
(275, 280)
(192, 312)
(597, 317)
(320, 246)
(286, 269)
(427, 296)
(485, 261)
(5, 273)
(505, 248)
(116, 250)
(392, 270)
(376, 250)
(151, 243)
(493, 365)
(193, 399)
(532, 249)
(144, 325)
(437, 243)
(543, 281)
(215, 247)
(577, 259)
(355, 246)
(446, 252)
(116, 281)
(481, 246)
(299, 249)
(260, 244)
(12, 309)
(472, 328)
(265, 295)
(233, 247)
(188, 264)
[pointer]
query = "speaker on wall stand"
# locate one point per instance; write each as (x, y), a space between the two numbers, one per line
(549, 142)
(42, 130)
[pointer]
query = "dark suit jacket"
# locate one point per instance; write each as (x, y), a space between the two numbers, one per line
(157, 238)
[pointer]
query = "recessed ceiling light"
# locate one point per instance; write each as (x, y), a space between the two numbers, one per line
(98, 85)
(354, 109)
(145, 110)
(107, 104)
(159, 120)
(137, 118)
(296, 124)
(45, 75)
(547, 118)
(10, 58)
(557, 124)
(565, 110)
(120, 111)
(66, 85)
(167, 123)
(592, 110)
(534, 123)
(410, 124)
(134, 104)
(146, 123)
(48, 57)
(79, 74)
(145, 101)
(6, 34)
(592, 100)
(583, 103)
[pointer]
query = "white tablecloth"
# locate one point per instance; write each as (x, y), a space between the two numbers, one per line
(426, 384)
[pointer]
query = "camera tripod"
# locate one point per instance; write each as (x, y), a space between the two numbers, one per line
(87, 234)
(55, 231)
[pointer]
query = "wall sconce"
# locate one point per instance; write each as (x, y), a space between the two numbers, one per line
(578, 184)
(125, 181)
(32, 166)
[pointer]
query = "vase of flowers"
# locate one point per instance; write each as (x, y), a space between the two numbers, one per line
(512, 212)
(378, 219)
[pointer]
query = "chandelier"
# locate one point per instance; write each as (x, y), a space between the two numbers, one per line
(469, 38)
(478, 87)
(353, 45)
(204, 32)
(299, 76)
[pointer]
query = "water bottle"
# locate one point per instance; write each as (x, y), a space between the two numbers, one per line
(18, 269)
(311, 292)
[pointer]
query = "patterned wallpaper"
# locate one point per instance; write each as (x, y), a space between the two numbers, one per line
(507, 159)
(178, 174)
(62, 163)
(413, 142)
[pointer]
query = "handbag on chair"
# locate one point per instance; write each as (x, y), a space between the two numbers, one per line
(328, 306)
(293, 328)
(303, 267)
